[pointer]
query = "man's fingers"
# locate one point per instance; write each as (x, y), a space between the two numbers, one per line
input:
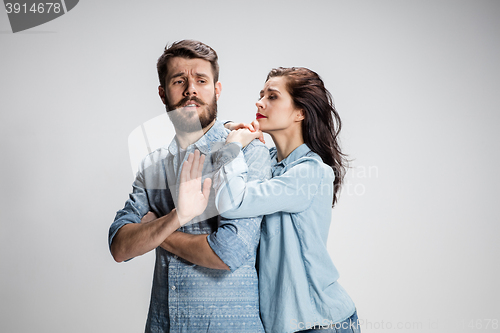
(194, 167)
(200, 166)
(150, 216)
(206, 187)
(186, 170)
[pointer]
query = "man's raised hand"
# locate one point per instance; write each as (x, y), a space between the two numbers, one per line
(193, 197)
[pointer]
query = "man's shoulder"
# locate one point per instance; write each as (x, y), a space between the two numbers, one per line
(258, 161)
(154, 158)
(256, 147)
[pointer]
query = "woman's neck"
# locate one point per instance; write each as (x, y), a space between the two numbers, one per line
(287, 141)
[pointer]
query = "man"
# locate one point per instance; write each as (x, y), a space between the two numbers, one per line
(204, 278)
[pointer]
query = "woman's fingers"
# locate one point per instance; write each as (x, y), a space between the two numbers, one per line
(261, 137)
(256, 125)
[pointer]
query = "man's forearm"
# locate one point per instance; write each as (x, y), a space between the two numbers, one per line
(193, 248)
(135, 239)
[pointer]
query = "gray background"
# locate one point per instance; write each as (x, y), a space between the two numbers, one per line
(415, 234)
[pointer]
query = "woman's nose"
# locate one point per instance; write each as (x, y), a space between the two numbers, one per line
(259, 104)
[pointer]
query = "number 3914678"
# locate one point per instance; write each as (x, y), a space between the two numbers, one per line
(36, 8)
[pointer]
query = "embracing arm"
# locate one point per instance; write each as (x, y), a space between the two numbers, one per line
(290, 192)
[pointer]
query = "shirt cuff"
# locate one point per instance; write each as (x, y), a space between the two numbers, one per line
(231, 169)
(228, 247)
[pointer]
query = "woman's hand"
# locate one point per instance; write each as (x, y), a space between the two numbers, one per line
(193, 197)
(234, 126)
(244, 136)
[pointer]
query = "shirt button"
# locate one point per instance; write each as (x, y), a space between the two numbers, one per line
(175, 257)
(173, 288)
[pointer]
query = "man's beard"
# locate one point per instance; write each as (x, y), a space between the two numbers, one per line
(190, 121)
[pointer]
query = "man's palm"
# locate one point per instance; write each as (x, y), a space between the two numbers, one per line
(193, 197)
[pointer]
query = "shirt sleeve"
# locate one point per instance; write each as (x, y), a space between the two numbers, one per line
(135, 207)
(236, 240)
(291, 192)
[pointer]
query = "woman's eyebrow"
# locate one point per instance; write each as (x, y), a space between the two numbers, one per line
(270, 89)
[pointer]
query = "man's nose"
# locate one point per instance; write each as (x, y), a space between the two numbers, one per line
(190, 89)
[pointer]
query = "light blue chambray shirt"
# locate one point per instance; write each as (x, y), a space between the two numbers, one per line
(297, 280)
(187, 297)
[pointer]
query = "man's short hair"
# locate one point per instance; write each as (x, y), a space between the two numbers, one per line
(189, 49)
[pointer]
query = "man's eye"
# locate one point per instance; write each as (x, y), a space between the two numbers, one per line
(178, 82)
(202, 81)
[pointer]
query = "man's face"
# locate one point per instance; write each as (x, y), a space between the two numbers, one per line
(190, 94)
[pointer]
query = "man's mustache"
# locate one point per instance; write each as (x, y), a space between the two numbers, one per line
(186, 100)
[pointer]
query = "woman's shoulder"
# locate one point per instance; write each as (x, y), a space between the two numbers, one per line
(313, 162)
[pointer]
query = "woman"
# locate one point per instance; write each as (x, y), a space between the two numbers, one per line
(298, 284)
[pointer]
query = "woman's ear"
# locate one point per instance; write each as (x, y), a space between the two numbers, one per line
(299, 115)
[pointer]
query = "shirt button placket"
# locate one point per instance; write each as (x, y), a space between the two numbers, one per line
(173, 295)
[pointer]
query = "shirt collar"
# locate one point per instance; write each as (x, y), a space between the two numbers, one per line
(204, 144)
(297, 153)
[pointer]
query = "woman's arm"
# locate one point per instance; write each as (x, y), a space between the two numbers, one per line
(290, 192)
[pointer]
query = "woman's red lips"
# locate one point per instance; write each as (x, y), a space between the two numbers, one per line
(258, 116)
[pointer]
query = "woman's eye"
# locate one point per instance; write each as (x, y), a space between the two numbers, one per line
(272, 97)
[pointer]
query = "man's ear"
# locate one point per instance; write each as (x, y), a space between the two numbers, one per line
(161, 92)
(218, 89)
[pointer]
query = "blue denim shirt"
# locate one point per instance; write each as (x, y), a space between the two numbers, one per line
(187, 297)
(297, 280)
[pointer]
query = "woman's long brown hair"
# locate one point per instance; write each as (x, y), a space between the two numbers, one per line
(321, 125)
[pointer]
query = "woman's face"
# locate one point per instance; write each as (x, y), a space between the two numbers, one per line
(275, 108)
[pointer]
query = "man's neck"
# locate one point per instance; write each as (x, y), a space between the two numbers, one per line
(186, 139)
